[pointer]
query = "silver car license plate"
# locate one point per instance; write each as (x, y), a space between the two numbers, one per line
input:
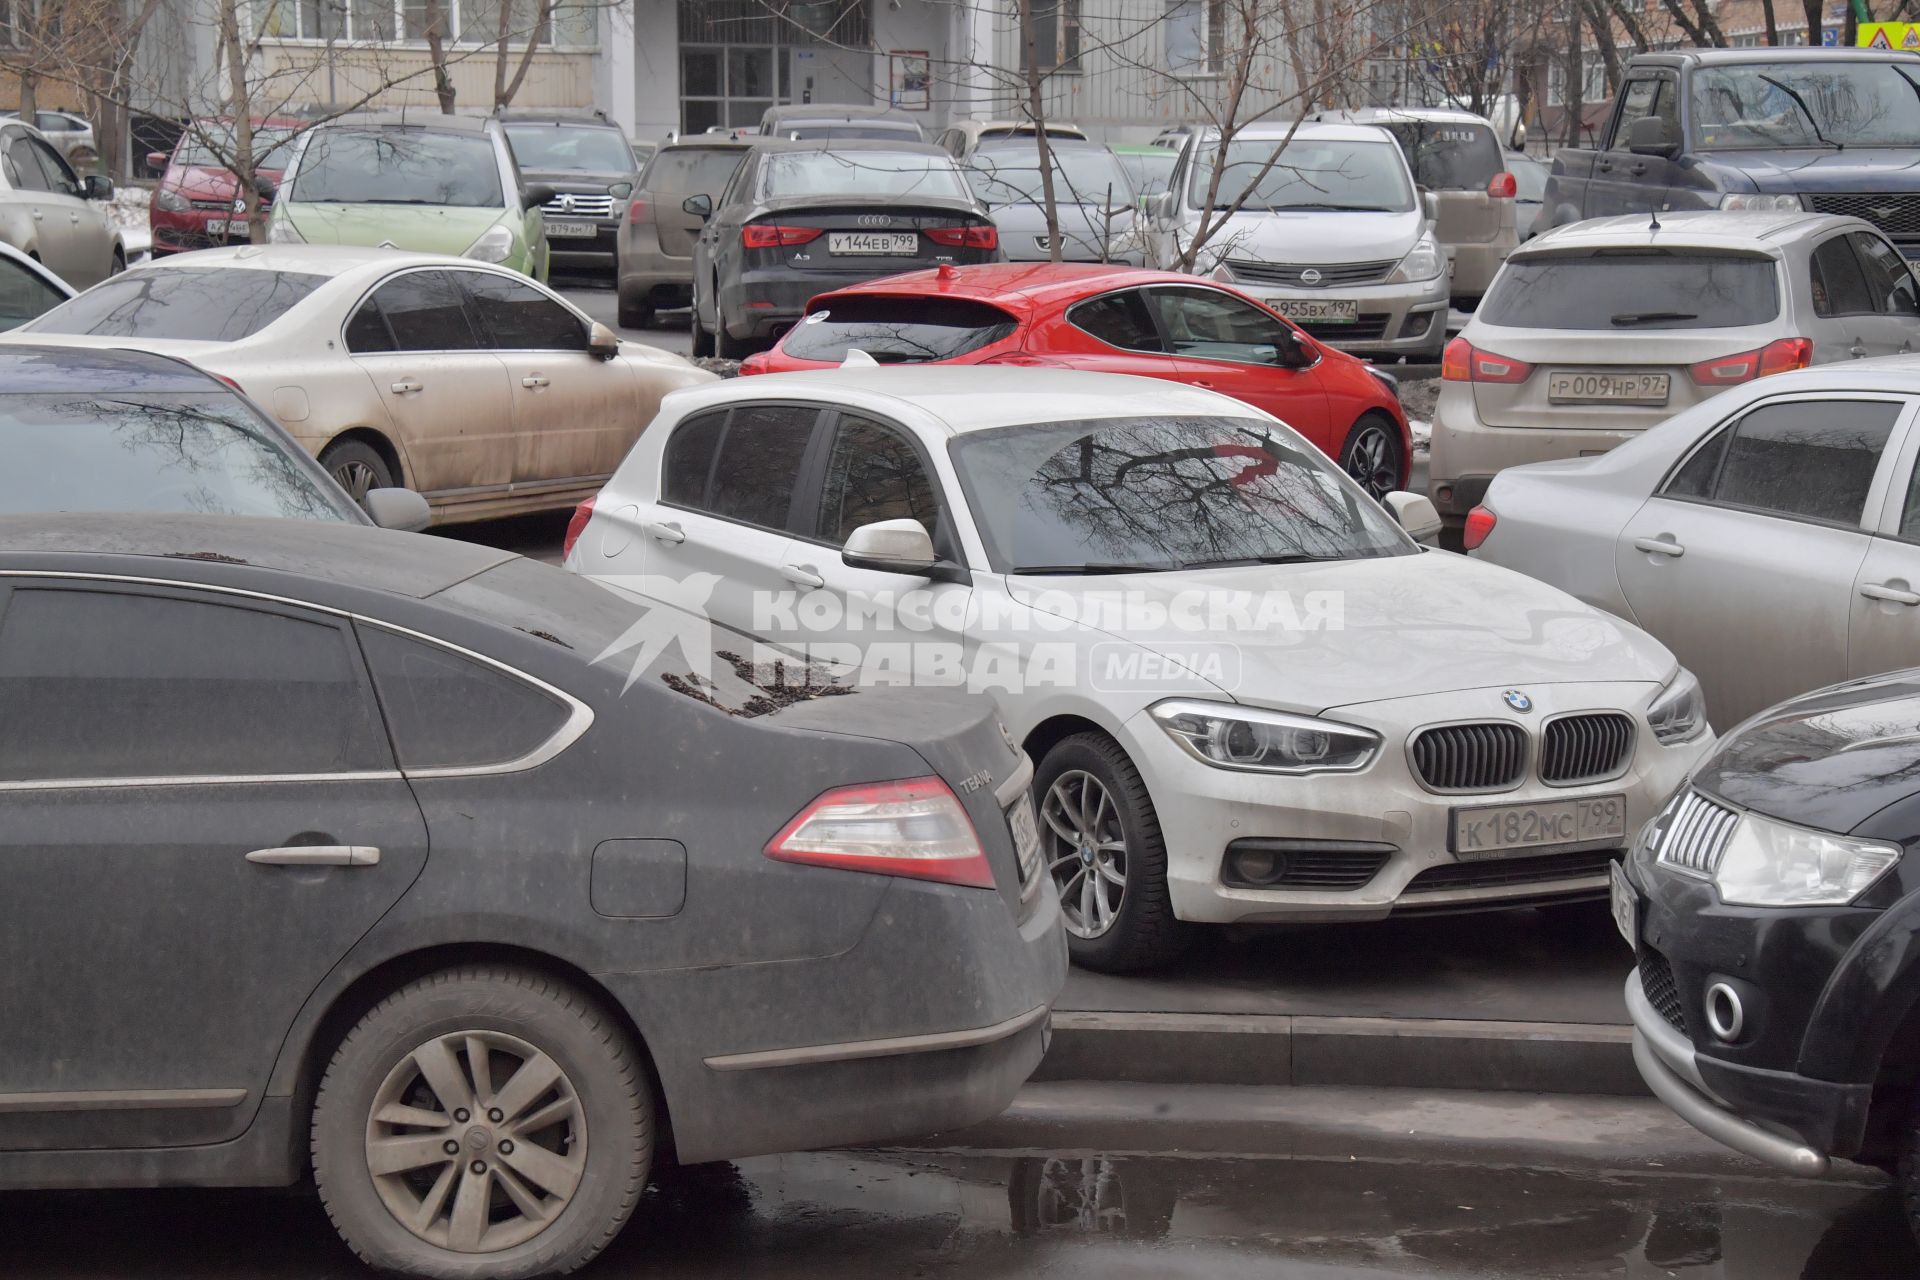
(888, 244)
(570, 230)
(1625, 903)
(1026, 837)
(1610, 386)
(1319, 310)
(1489, 831)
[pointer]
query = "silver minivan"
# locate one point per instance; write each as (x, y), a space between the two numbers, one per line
(1596, 331)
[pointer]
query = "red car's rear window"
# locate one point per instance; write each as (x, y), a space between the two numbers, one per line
(898, 330)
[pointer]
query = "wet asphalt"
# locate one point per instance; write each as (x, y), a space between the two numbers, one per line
(1066, 1215)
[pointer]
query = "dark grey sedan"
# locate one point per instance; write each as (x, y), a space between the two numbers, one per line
(343, 851)
(800, 218)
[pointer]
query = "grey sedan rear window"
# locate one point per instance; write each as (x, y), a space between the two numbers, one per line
(1634, 290)
(898, 330)
(199, 304)
(448, 712)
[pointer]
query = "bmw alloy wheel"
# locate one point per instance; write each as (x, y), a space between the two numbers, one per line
(476, 1142)
(1086, 852)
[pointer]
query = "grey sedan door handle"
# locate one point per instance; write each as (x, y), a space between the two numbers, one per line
(1892, 595)
(668, 532)
(1660, 547)
(317, 855)
(801, 575)
(534, 381)
(405, 388)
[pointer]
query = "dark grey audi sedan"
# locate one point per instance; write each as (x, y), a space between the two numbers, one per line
(336, 850)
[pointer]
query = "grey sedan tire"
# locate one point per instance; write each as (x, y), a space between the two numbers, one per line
(1102, 843)
(357, 467)
(728, 347)
(483, 1123)
(701, 341)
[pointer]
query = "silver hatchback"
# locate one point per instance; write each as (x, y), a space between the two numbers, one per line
(1594, 332)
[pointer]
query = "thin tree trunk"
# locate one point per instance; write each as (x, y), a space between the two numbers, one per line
(1037, 112)
(1630, 23)
(29, 94)
(240, 107)
(437, 51)
(501, 30)
(1603, 39)
(1815, 10)
(1695, 32)
(541, 19)
(1773, 22)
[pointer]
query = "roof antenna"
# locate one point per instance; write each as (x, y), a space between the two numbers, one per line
(1653, 212)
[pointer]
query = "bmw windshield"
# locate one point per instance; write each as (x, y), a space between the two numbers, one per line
(1143, 495)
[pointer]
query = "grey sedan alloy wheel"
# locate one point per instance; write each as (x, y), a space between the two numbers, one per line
(1086, 852)
(477, 1141)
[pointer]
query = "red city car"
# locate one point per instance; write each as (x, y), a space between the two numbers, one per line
(197, 204)
(1114, 320)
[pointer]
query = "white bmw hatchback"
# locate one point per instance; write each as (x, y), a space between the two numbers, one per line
(1250, 695)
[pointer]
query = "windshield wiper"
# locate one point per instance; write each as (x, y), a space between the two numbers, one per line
(1650, 317)
(1335, 208)
(394, 200)
(1230, 562)
(1094, 567)
(1805, 110)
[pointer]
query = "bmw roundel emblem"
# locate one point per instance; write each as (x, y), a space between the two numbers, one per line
(1517, 700)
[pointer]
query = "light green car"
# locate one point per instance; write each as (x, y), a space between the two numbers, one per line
(424, 182)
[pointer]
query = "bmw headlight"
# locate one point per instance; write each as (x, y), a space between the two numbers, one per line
(1257, 741)
(1772, 864)
(282, 231)
(1423, 262)
(1679, 714)
(171, 202)
(494, 245)
(1744, 202)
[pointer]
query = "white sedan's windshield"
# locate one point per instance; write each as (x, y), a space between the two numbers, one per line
(1367, 177)
(1150, 494)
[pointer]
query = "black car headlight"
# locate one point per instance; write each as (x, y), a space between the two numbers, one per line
(1257, 741)
(1775, 864)
(1679, 714)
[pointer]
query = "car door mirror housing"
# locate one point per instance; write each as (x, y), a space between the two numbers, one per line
(602, 342)
(700, 205)
(263, 185)
(890, 546)
(1416, 514)
(96, 186)
(401, 509)
(1648, 136)
(158, 161)
(535, 194)
(1429, 205)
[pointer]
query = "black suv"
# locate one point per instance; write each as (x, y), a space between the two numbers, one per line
(1774, 905)
(591, 167)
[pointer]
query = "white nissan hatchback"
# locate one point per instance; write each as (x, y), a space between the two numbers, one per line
(1250, 694)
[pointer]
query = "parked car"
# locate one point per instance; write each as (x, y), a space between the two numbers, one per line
(1773, 906)
(1458, 158)
(1766, 536)
(1826, 130)
(1094, 204)
(70, 134)
(798, 218)
(425, 182)
(475, 1053)
(1116, 558)
(839, 122)
(462, 380)
(1332, 234)
(963, 136)
(1530, 188)
(27, 289)
(1150, 168)
(656, 240)
(49, 214)
(129, 431)
(1596, 332)
(591, 169)
(1108, 320)
(197, 204)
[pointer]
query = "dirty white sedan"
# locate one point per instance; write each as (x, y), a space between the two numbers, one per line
(1250, 694)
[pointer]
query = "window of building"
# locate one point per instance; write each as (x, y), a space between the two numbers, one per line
(1056, 35)
(1194, 32)
(571, 24)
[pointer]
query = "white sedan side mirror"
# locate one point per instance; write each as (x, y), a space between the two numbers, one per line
(890, 546)
(1415, 513)
(401, 509)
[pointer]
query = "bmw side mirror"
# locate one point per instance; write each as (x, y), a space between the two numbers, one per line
(401, 509)
(602, 342)
(535, 194)
(700, 205)
(1416, 515)
(890, 546)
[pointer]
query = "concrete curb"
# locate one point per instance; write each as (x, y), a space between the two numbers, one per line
(1386, 1053)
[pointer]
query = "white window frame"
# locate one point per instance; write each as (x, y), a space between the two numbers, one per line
(256, 9)
(1211, 13)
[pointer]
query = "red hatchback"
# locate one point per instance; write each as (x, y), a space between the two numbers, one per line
(197, 204)
(1114, 320)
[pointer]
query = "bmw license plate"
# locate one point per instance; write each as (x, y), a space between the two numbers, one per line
(1318, 310)
(886, 244)
(1626, 905)
(1490, 831)
(570, 230)
(1625, 386)
(1026, 837)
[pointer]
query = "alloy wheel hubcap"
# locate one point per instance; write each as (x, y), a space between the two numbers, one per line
(476, 1141)
(1086, 852)
(356, 478)
(1371, 462)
